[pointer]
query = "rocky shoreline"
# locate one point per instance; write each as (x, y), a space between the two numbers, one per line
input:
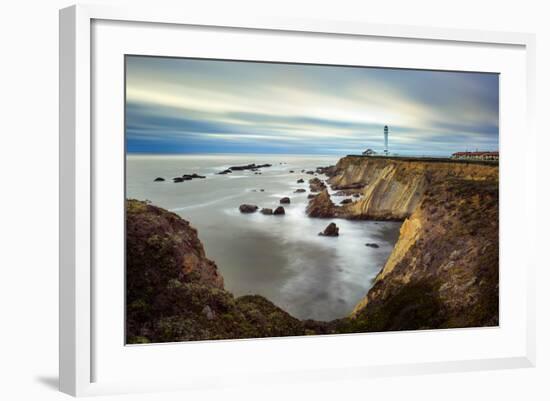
(442, 273)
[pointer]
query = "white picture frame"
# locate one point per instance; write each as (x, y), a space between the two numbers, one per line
(78, 155)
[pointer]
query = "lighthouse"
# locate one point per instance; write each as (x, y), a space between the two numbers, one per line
(386, 151)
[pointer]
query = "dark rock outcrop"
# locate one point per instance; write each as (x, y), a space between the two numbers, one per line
(225, 172)
(321, 206)
(266, 211)
(246, 208)
(285, 200)
(299, 191)
(328, 171)
(279, 210)
(346, 201)
(187, 177)
(251, 166)
(331, 230)
(316, 185)
(159, 179)
(300, 181)
(372, 245)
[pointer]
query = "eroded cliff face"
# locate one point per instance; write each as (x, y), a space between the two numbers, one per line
(443, 271)
(391, 189)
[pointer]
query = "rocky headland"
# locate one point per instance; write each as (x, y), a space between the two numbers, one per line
(175, 293)
(442, 273)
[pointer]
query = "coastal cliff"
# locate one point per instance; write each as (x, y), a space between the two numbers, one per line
(443, 271)
(175, 293)
(391, 188)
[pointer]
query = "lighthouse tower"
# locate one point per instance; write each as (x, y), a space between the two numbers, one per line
(386, 151)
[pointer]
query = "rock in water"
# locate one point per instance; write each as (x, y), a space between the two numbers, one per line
(299, 191)
(372, 245)
(300, 181)
(346, 201)
(159, 179)
(321, 206)
(266, 210)
(330, 231)
(285, 200)
(316, 185)
(279, 211)
(245, 208)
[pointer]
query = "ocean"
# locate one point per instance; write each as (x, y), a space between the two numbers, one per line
(279, 257)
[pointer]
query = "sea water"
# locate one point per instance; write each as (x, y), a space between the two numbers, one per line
(279, 257)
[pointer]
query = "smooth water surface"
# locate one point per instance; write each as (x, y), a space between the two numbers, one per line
(280, 257)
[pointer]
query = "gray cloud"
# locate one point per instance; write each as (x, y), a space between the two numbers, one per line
(201, 105)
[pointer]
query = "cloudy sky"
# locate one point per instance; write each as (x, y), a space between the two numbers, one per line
(203, 106)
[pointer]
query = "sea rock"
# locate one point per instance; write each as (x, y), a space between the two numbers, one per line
(279, 211)
(187, 177)
(251, 166)
(191, 176)
(300, 190)
(300, 181)
(291, 171)
(346, 201)
(310, 172)
(225, 172)
(285, 200)
(329, 171)
(266, 211)
(321, 206)
(159, 179)
(316, 185)
(372, 245)
(311, 196)
(331, 230)
(246, 208)
(262, 190)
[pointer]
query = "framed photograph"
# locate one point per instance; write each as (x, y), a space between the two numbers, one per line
(292, 200)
